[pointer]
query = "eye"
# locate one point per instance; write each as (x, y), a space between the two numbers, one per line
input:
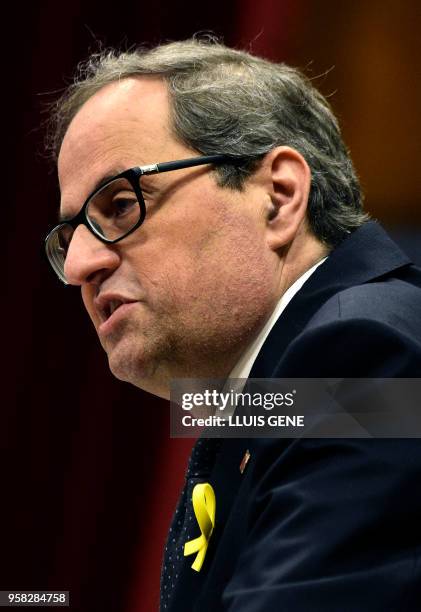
(124, 205)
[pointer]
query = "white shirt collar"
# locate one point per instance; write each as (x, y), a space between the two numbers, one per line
(245, 363)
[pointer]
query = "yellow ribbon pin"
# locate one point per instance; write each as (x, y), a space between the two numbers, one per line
(204, 506)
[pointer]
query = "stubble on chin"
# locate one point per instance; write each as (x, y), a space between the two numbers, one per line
(136, 355)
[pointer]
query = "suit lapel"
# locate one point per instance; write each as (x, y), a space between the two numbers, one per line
(226, 477)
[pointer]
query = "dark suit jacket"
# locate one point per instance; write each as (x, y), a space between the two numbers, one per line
(330, 525)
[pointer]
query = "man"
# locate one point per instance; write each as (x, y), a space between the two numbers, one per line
(253, 257)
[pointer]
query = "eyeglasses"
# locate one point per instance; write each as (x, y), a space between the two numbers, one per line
(115, 209)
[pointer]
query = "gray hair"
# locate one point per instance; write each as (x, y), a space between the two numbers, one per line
(230, 102)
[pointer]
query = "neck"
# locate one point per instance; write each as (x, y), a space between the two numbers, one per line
(302, 254)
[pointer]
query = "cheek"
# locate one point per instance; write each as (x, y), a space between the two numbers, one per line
(227, 275)
(211, 255)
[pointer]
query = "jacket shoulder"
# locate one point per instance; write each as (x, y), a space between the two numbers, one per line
(392, 303)
(369, 330)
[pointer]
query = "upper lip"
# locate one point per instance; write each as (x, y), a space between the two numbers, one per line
(107, 303)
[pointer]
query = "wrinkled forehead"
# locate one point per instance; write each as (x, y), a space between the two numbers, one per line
(124, 124)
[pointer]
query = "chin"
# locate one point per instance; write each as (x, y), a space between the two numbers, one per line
(141, 377)
(127, 361)
(130, 365)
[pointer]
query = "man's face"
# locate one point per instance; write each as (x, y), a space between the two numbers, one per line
(197, 278)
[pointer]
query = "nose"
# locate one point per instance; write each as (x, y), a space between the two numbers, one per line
(88, 259)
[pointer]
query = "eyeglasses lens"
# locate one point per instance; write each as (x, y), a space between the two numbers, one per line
(113, 210)
(57, 247)
(111, 213)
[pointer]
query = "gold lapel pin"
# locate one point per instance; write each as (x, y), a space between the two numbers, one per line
(244, 461)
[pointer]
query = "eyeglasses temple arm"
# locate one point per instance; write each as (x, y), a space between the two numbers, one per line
(186, 163)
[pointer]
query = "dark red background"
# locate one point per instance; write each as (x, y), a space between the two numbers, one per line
(89, 475)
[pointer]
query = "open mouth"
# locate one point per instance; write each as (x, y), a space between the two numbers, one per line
(110, 308)
(107, 306)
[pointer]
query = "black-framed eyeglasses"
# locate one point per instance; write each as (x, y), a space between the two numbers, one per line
(115, 209)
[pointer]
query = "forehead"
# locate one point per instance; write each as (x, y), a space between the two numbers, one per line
(124, 124)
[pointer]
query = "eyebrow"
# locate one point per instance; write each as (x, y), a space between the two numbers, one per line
(106, 178)
(62, 218)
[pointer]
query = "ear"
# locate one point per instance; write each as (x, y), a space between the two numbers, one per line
(288, 179)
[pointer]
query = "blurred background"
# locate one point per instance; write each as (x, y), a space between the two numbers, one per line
(89, 474)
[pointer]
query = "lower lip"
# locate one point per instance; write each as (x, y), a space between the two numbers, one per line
(122, 311)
